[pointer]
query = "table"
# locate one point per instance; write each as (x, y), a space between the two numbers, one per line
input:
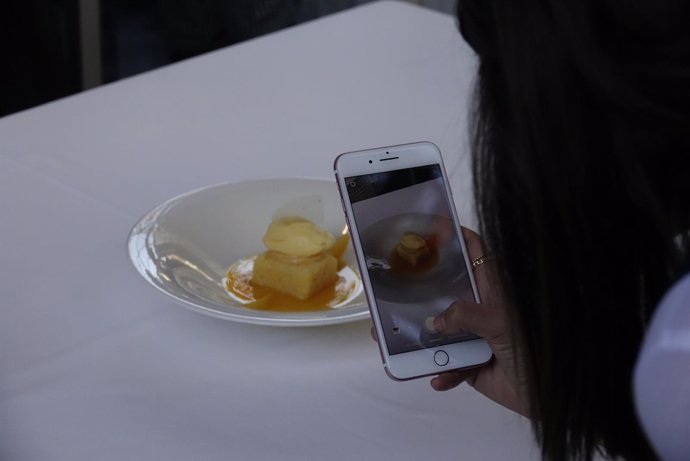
(97, 365)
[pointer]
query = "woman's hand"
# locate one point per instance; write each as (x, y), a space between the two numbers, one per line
(499, 379)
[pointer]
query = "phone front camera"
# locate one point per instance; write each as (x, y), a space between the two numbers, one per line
(369, 161)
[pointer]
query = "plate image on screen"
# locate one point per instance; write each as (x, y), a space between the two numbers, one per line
(395, 279)
(410, 292)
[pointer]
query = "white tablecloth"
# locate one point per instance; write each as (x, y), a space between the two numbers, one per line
(97, 365)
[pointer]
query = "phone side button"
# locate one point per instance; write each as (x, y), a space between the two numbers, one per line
(441, 358)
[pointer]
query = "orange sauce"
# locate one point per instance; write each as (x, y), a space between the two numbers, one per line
(242, 290)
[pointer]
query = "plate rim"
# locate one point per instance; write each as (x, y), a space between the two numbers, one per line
(300, 320)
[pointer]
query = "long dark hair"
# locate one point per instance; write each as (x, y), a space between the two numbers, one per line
(581, 133)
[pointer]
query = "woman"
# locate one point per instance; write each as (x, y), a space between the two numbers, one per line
(581, 174)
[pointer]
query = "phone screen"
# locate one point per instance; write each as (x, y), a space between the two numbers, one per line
(413, 254)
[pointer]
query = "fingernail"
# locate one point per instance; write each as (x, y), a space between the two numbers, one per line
(439, 323)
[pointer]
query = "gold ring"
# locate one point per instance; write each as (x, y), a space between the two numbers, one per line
(476, 262)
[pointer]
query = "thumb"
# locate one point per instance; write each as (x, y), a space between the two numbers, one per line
(480, 319)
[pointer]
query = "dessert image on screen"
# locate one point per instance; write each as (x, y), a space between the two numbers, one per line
(412, 248)
(414, 253)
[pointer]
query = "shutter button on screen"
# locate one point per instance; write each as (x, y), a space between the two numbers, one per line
(441, 358)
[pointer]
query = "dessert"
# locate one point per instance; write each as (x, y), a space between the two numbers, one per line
(413, 248)
(302, 270)
(414, 254)
(298, 260)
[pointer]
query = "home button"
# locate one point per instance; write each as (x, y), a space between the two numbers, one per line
(441, 358)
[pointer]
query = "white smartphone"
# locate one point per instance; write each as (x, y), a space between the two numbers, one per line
(412, 257)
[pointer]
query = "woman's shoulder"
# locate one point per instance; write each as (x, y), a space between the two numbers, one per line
(662, 375)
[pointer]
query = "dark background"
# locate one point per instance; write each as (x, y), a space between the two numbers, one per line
(40, 48)
(40, 42)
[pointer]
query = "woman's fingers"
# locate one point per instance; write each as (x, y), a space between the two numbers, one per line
(473, 242)
(447, 381)
(480, 319)
(485, 274)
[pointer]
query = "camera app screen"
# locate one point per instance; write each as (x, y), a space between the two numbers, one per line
(413, 254)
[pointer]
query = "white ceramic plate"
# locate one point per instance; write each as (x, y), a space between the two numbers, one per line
(184, 246)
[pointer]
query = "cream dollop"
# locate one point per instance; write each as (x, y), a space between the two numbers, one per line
(297, 236)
